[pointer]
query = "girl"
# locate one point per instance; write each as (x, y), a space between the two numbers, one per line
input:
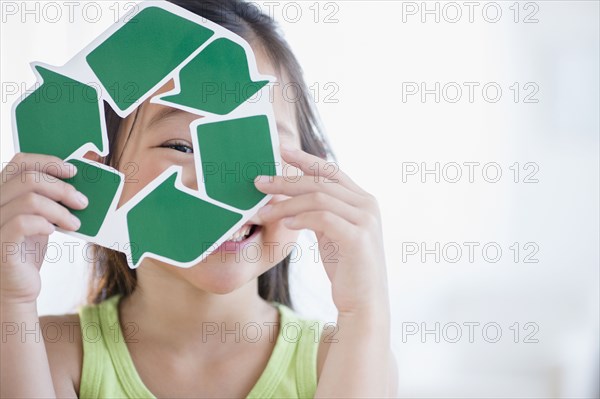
(218, 329)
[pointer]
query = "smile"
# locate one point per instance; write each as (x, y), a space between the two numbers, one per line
(240, 238)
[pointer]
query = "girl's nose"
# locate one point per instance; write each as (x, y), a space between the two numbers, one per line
(189, 177)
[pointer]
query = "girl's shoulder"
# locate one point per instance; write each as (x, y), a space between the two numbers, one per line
(89, 342)
(64, 337)
(64, 348)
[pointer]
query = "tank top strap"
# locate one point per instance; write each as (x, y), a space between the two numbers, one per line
(308, 347)
(108, 369)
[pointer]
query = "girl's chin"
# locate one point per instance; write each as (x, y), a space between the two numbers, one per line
(221, 274)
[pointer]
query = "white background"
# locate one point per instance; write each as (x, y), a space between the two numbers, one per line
(364, 55)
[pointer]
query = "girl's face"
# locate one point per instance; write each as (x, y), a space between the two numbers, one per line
(161, 138)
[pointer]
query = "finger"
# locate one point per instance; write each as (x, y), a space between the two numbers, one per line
(26, 162)
(323, 222)
(315, 166)
(21, 226)
(275, 199)
(45, 185)
(304, 185)
(317, 201)
(36, 204)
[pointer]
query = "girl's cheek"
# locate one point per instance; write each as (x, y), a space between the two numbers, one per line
(189, 176)
(138, 175)
(277, 243)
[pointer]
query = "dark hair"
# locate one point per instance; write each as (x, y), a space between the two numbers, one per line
(111, 275)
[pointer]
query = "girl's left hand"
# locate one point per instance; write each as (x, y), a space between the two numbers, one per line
(347, 223)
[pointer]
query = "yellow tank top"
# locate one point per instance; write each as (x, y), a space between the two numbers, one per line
(108, 370)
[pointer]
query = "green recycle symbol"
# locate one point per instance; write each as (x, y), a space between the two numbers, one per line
(65, 117)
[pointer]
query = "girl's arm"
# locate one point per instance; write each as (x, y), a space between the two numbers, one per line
(340, 353)
(347, 223)
(52, 364)
(23, 361)
(33, 200)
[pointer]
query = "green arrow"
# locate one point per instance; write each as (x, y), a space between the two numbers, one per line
(100, 187)
(176, 225)
(217, 80)
(233, 153)
(58, 117)
(143, 52)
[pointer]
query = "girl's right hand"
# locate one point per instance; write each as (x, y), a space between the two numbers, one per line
(33, 200)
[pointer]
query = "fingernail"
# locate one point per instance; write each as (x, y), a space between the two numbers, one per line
(71, 167)
(264, 179)
(265, 210)
(82, 199)
(75, 222)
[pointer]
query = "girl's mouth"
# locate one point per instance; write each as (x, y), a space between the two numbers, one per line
(240, 238)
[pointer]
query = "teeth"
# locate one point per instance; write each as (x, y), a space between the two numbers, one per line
(240, 234)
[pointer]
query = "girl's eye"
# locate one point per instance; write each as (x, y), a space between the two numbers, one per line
(179, 146)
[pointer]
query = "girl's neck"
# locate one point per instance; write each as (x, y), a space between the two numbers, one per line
(171, 311)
